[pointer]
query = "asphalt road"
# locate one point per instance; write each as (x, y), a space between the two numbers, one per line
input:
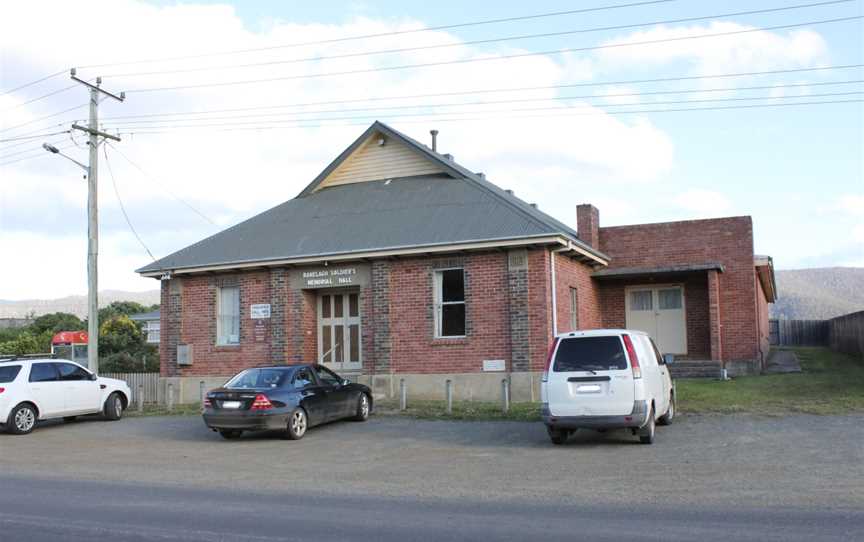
(706, 478)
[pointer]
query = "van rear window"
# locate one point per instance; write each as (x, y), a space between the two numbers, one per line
(590, 354)
(8, 373)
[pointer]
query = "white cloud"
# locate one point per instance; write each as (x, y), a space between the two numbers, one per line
(852, 204)
(761, 50)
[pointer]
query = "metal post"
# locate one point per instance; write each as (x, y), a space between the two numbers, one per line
(505, 395)
(140, 397)
(93, 240)
(448, 389)
(170, 398)
(201, 392)
(403, 395)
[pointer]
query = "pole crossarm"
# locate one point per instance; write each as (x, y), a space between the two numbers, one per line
(96, 87)
(91, 131)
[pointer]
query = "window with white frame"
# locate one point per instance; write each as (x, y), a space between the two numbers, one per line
(153, 329)
(228, 315)
(574, 309)
(449, 303)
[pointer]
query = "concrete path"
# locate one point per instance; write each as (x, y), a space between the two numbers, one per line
(782, 362)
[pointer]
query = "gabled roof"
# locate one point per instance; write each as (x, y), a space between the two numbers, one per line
(453, 209)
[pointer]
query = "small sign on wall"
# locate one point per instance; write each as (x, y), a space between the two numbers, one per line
(494, 365)
(260, 311)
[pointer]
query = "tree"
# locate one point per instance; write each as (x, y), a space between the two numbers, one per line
(57, 321)
(120, 334)
(120, 308)
(25, 343)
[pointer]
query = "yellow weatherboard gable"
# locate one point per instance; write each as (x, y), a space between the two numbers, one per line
(378, 158)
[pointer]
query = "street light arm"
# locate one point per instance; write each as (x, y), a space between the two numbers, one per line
(54, 150)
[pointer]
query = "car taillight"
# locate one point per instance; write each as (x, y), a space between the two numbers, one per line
(545, 376)
(208, 403)
(2, 390)
(631, 354)
(261, 402)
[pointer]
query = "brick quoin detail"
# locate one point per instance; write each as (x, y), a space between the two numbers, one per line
(376, 323)
(517, 284)
(169, 320)
(278, 302)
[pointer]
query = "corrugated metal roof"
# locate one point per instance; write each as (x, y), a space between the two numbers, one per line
(374, 215)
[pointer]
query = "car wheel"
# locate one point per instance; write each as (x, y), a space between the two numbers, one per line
(558, 436)
(230, 434)
(22, 419)
(666, 419)
(297, 424)
(69, 419)
(113, 407)
(646, 433)
(363, 408)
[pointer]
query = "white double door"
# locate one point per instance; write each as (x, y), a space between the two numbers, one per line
(659, 311)
(339, 345)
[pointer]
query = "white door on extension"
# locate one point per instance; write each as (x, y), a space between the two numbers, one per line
(339, 330)
(659, 311)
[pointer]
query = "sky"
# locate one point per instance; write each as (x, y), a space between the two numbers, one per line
(589, 127)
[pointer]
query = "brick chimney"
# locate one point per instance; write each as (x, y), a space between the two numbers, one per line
(588, 224)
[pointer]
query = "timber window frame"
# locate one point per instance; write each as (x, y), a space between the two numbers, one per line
(449, 303)
(228, 316)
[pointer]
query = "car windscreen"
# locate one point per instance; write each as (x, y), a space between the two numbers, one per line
(8, 373)
(258, 378)
(590, 354)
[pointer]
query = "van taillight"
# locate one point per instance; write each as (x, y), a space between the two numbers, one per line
(261, 402)
(631, 354)
(549, 356)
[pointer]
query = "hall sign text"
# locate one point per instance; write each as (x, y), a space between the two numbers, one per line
(338, 276)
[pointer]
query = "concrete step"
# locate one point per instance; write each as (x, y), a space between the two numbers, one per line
(695, 369)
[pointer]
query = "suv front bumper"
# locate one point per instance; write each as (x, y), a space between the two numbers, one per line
(637, 418)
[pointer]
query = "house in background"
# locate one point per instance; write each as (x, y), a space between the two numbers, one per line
(150, 325)
(398, 263)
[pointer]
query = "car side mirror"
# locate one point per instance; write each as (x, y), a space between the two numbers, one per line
(668, 358)
(344, 382)
(93, 376)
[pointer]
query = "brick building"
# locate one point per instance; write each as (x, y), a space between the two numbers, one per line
(398, 263)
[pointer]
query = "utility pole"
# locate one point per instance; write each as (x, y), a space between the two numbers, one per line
(93, 217)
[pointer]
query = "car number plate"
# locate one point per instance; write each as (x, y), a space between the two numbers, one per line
(230, 404)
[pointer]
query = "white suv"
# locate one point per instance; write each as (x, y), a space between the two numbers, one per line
(604, 379)
(39, 389)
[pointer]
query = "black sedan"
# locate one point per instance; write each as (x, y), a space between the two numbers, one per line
(290, 398)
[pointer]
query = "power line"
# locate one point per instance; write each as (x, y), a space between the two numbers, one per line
(495, 91)
(43, 118)
(37, 155)
(25, 85)
(19, 138)
(122, 207)
(476, 42)
(144, 173)
(384, 34)
(508, 110)
(501, 57)
(24, 151)
(168, 130)
(499, 102)
(48, 95)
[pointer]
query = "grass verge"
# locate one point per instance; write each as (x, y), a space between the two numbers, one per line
(831, 383)
(161, 410)
(462, 410)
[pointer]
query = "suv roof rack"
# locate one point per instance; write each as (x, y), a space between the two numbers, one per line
(23, 357)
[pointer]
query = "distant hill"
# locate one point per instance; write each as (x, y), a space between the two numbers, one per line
(76, 304)
(817, 294)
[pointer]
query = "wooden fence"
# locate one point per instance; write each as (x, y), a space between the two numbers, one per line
(148, 383)
(798, 332)
(846, 333)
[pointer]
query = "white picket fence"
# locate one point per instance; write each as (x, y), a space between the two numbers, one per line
(146, 383)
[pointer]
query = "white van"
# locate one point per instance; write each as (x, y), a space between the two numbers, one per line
(604, 379)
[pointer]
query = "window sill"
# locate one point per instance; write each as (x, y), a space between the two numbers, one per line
(446, 341)
(228, 346)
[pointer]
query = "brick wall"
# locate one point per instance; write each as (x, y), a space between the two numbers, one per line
(540, 307)
(198, 325)
(570, 273)
(728, 241)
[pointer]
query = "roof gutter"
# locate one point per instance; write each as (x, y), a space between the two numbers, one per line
(404, 251)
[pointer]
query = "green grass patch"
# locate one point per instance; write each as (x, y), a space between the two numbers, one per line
(831, 383)
(161, 410)
(462, 410)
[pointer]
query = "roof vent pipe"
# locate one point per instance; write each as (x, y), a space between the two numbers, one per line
(449, 157)
(509, 191)
(481, 174)
(434, 140)
(533, 205)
